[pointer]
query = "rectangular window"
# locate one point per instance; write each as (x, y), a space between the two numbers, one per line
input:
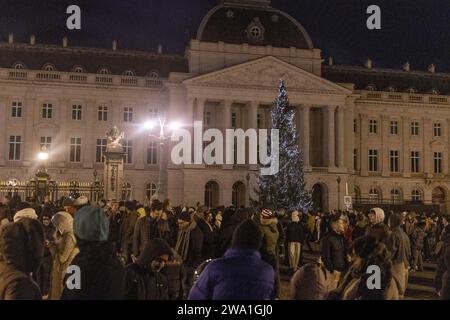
(128, 114)
(75, 149)
(76, 112)
(16, 109)
(415, 161)
(373, 160)
(46, 143)
(233, 119)
(259, 120)
(355, 159)
(355, 125)
(437, 132)
(394, 160)
(47, 111)
(100, 150)
(394, 127)
(414, 128)
(152, 152)
(14, 147)
(373, 126)
(128, 150)
(102, 113)
(438, 162)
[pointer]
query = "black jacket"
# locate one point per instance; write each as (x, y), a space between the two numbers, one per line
(101, 273)
(334, 252)
(209, 239)
(194, 256)
(295, 232)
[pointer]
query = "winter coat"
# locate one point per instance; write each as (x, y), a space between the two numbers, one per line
(359, 230)
(101, 273)
(224, 238)
(351, 290)
(148, 228)
(442, 276)
(311, 282)
(141, 282)
(398, 242)
(240, 275)
(21, 252)
(127, 228)
(295, 232)
(194, 253)
(334, 252)
(209, 239)
(64, 250)
(270, 233)
(417, 238)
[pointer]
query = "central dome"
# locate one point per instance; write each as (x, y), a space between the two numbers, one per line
(253, 22)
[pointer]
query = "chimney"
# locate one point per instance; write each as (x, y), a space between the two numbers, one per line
(369, 63)
(32, 39)
(432, 68)
(330, 61)
(160, 49)
(114, 45)
(65, 42)
(406, 66)
(11, 38)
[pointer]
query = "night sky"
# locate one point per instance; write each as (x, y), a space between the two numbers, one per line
(414, 30)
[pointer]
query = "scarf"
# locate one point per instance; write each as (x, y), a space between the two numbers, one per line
(182, 246)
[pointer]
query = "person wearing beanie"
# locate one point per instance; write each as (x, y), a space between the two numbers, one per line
(377, 228)
(367, 251)
(241, 274)
(268, 225)
(29, 213)
(400, 247)
(97, 261)
(144, 279)
(63, 249)
(21, 253)
(295, 237)
(334, 250)
(189, 247)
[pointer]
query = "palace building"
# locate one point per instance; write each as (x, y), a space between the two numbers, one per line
(383, 135)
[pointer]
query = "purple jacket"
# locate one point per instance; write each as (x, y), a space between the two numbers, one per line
(240, 275)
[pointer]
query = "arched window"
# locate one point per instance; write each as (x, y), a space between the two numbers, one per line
(150, 190)
(416, 195)
(126, 191)
(396, 196)
(103, 71)
(129, 73)
(153, 75)
(19, 66)
(374, 195)
(78, 69)
(49, 67)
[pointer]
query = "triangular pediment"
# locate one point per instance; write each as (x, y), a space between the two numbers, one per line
(264, 73)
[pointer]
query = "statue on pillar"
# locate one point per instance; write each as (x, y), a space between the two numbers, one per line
(113, 172)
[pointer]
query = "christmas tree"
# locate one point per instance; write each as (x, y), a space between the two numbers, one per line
(287, 188)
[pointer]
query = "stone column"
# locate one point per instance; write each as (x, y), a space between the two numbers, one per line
(363, 148)
(405, 147)
(5, 112)
(32, 114)
(341, 137)
(199, 114)
(331, 137)
(89, 140)
(306, 134)
(253, 115)
(226, 115)
(428, 167)
(190, 111)
(385, 170)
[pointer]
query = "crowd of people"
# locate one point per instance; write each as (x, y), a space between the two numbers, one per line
(125, 250)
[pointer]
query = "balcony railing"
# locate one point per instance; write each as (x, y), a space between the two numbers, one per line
(405, 97)
(85, 78)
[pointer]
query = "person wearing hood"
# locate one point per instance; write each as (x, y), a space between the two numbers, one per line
(400, 247)
(29, 213)
(21, 253)
(241, 274)
(189, 248)
(144, 279)
(442, 276)
(64, 249)
(333, 249)
(377, 228)
(100, 270)
(295, 238)
(268, 225)
(367, 251)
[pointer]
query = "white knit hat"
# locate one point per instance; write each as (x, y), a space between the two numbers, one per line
(81, 201)
(25, 213)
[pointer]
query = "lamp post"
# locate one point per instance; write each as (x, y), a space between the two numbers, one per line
(42, 176)
(338, 180)
(150, 125)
